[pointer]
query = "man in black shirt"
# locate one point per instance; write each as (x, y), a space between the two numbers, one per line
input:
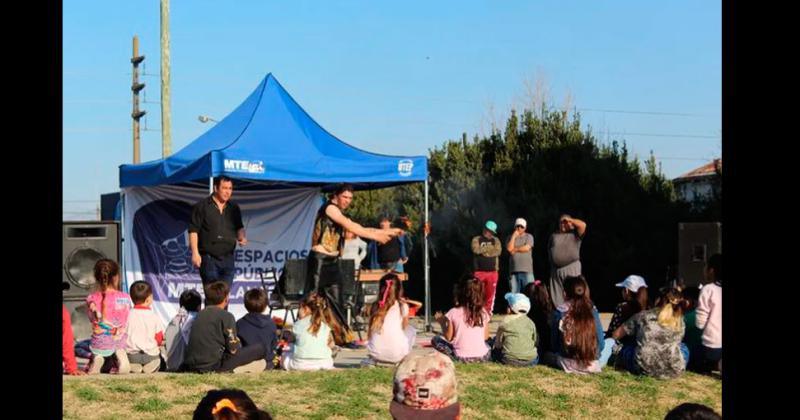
(214, 230)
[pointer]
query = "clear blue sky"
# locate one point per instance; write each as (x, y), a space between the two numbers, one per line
(392, 77)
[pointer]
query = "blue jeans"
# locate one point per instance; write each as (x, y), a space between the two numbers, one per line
(608, 347)
(518, 280)
(217, 269)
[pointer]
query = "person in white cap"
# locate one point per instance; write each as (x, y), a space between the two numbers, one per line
(520, 265)
(634, 300)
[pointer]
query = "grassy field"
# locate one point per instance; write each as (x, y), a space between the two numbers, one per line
(486, 391)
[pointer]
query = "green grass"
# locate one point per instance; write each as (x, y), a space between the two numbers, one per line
(87, 394)
(152, 404)
(487, 391)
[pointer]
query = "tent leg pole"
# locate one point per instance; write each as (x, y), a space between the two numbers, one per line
(122, 265)
(427, 266)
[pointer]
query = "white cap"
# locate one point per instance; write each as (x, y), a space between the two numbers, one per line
(633, 283)
(520, 222)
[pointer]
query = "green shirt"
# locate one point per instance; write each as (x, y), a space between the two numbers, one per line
(309, 346)
(694, 335)
(517, 335)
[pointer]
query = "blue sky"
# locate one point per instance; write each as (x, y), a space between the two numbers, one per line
(393, 77)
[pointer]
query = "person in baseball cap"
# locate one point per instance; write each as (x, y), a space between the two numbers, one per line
(518, 303)
(515, 341)
(634, 300)
(486, 250)
(425, 388)
(632, 283)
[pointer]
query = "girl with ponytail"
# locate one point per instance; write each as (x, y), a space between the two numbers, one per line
(658, 332)
(390, 336)
(577, 333)
(311, 339)
(108, 313)
(465, 328)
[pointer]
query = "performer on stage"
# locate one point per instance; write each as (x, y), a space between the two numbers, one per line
(327, 243)
(214, 230)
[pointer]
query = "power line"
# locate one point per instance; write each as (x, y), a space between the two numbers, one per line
(694, 136)
(620, 111)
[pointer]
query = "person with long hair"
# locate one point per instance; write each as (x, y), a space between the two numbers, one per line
(465, 328)
(658, 350)
(390, 336)
(109, 308)
(311, 337)
(541, 312)
(577, 333)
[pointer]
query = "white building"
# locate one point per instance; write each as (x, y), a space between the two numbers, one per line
(704, 182)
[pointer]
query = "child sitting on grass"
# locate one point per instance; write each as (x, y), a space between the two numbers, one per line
(311, 339)
(465, 328)
(515, 341)
(390, 336)
(108, 313)
(176, 336)
(145, 331)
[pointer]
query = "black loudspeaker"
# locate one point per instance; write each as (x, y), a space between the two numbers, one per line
(349, 283)
(83, 244)
(293, 278)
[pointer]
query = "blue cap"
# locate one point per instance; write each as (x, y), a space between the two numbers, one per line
(518, 302)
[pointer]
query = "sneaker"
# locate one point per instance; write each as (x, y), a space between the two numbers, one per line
(96, 364)
(252, 367)
(353, 346)
(123, 365)
(152, 366)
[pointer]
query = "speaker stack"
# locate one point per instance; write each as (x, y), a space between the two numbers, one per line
(83, 244)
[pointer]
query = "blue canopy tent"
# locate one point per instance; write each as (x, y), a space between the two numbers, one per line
(269, 141)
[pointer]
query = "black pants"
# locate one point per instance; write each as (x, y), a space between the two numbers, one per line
(325, 278)
(242, 357)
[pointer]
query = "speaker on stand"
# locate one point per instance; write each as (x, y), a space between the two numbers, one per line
(83, 244)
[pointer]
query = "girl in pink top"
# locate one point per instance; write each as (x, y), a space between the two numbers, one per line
(390, 336)
(465, 328)
(108, 313)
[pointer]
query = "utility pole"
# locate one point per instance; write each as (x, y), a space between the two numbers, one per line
(136, 87)
(166, 118)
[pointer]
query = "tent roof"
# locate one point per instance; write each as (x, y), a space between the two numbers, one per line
(271, 140)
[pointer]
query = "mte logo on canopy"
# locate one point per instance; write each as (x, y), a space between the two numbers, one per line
(248, 166)
(404, 167)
